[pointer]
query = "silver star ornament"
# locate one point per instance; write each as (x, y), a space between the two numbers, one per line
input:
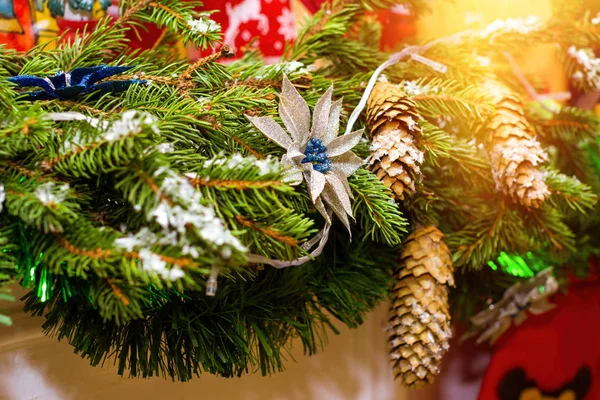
(315, 153)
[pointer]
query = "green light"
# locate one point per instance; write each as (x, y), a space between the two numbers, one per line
(44, 287)
(22, 179)
(513, 264)
(522, 268)
(541, 288)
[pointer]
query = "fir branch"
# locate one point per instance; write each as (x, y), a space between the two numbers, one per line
(248, 148)
(268, 231)
(226, 51)
(465, 158)
(123, 142)
(323, 37)
(131, 12)
(46, 207)
(546, 224)
(178, 17)
(380, 218)
(570, 192)
(233, 184)
(109, 255)
(582, 67)
(564, 125)
(276, 305)
(495, 230)
(247, 191)
(436, 97)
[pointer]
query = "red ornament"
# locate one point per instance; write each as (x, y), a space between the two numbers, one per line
(17, 24)
(313, 5)
(270, 23)
(145, 37)
(398, 24)
(70, 28)
(555, 355)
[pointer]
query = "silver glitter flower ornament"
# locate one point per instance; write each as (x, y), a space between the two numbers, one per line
(315, 153)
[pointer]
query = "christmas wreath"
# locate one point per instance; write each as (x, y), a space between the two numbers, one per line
(179, 218)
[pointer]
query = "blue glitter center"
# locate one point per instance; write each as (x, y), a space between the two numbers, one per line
(316, 154)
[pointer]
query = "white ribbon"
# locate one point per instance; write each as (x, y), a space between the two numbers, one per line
(411, 51)
(394, 58)
(321, 238)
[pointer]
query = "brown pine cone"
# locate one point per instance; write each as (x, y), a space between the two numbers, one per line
(420, 317)
(514, 152)
(392, 121)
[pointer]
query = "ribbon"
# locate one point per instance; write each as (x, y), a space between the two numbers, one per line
(321, 238)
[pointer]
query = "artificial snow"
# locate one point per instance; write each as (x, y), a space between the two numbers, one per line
(237, 161)
(203, 26)
(589, 63)
(523, 26)
(413, 88)
(131, 122)
(49, 193)
(165, 148)
(189, 212)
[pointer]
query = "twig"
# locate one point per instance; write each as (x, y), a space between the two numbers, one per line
(160, 39)
(123, 19)
(272, 233)
(232, 183)
(118, 292)
(185, 79)
(526, 84)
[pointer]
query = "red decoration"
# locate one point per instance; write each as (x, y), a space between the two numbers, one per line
(554, 354)
(271, 22)
(17, 25)
(397, 25)
(144, 37)
(69, 28)
(313, 5)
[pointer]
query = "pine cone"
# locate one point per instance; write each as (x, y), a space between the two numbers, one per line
(514, 152)
(392, 120)
(420, 317)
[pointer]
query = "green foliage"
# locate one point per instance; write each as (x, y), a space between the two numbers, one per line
(436, 97)
(381, 219)
(179, 17)
(323, 37)
(570, 192)
(248, 326)
(122, 211)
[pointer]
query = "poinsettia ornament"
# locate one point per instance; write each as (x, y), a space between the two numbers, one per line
(315, 153)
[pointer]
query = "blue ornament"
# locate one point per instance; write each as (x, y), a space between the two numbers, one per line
(316, 154)
(68, 85)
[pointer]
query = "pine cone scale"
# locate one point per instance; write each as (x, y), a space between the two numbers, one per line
(514, 152)
(420, 318)
(392, 121)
